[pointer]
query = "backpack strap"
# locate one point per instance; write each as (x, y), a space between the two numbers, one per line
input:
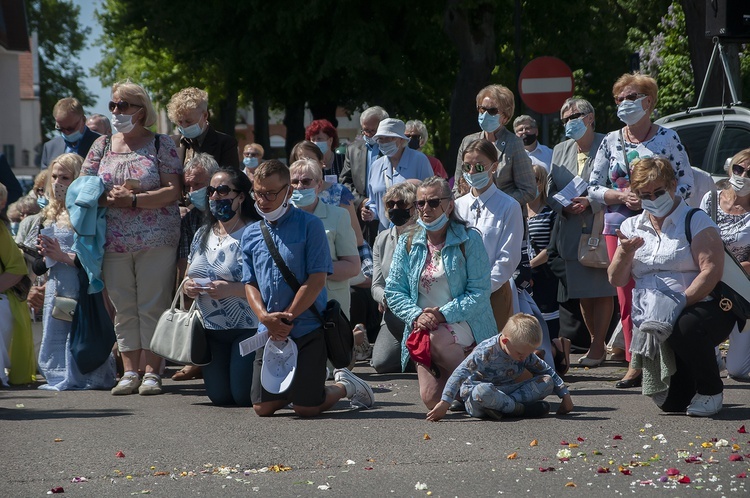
(688, 231)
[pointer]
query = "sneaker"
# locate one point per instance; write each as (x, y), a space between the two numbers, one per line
(535, 409)
(457, 406)
(705, 406)
(363, 351)
(128, 384)
(151, 385)
(357, 390)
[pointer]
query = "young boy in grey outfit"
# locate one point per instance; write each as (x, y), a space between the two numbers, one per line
(486, 379)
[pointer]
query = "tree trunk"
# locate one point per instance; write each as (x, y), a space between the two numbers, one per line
(294, 120)
(473, 33)
(261, 131)
(325, 111)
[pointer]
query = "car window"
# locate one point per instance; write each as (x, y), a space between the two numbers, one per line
(695, 138)
(732, 139)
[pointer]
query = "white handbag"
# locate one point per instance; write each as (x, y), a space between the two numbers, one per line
(180, 336)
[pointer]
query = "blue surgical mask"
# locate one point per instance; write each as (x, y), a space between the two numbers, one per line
(73, 137)
(575, 128)
(478, 180)
(389, 148)
(222, 209)
(199, 199)
(370, 140)
(488, 122)
(192, 131)
(436, 225)
(660, 206)
(304, 197)
(631, 111)
(42, 201)
(250, 162)
(14, 227)
(323, 146)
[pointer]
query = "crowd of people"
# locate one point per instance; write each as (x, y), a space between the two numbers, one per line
(480, 283)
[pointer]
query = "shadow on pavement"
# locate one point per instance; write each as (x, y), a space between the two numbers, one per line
(20, 414)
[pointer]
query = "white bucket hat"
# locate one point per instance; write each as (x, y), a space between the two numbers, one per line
(391, 127)
(279, 365)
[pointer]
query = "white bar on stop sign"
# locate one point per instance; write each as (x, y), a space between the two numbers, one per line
(546, 85)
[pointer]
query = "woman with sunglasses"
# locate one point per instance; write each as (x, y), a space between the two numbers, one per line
(439, 287)
(142, 177)
(585, 287)
(512, 175)
(732, 215)
(401, 211)
(635, 96)
(214, 280)
(677, 321)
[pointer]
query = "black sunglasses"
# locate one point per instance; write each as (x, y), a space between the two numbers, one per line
(572, 117)
(478, 167)
(490, 110)
(739, 170)
(652, 195)
(433, 203)
(222, 190)
(399, 204)
(630, 96)
(122, 106)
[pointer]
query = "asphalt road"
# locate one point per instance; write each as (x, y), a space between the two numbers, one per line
(178, 444)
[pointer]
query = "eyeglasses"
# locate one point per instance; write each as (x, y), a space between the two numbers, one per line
(739, 169)
(399, 204)
(367, 132)
(572, 117)
(490, 110)
(122, 106)
(222, 190)
(433, 203)
(478, 167)
(652, 196)
(630, 96)
(269, 196)
(67, 129)
(303, 182)
(251, 154)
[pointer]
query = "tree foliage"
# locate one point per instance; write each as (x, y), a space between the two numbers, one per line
(61, 39)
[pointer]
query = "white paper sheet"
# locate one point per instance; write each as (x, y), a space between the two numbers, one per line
(575, 188)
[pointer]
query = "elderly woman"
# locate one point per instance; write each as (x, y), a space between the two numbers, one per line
(732, 214)
(609, 183)
(307, 182)
(398, 163)
(401, 212)
(572, 160)
(215, 282)
(417, 133)
(439, 287)
(513, 175)
(252, 156)
(678, 322)
(324, 135)
(143, 177)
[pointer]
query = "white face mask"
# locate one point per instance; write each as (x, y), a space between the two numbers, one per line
(123, 123)
(740, 184)
(660, 206)
(276, 213)
(631, 111)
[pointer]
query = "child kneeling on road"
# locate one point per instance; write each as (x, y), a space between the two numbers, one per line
(486, 379)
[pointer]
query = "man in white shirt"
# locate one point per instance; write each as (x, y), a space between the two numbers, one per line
(526, 129)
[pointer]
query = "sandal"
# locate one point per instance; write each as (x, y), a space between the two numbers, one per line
(562, 355)
(188, 372)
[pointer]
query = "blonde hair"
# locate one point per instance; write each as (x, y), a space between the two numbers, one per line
(134, 93)
(652, 169)
(256, 146)
(40, 180)
(3, 195)
(506, 102)
(186, 100)
(56, 210)
(541, 173)
(645, 84)
(522, 328)
(68, 105)
(307, 165)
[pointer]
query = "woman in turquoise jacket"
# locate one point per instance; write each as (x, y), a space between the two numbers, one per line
(439, 285)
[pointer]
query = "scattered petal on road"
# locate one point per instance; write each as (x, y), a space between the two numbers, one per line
(120, 454)
(512, 456)
(420, 486)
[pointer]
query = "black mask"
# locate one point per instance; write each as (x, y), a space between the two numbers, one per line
(529, 139)
(399, 216)
(414, 142)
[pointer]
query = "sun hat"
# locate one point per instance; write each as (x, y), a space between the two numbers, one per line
(279, 365)
(391, 127)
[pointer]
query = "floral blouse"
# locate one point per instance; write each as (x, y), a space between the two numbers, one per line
(735, 229)
(336, 195)
(134, 229)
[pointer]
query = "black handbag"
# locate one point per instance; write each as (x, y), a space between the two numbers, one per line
(337, 330)
(92, 332)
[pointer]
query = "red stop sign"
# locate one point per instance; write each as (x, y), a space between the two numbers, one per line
(545, 83)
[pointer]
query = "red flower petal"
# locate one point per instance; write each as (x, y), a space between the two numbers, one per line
(684, 480)
(120, 454)
(742, 430)
(564, 443)
(742, 475)
(602, 470)
(58, 489)
(546, 469)
(617, 437)
(734, 457)
(580, 439)
(673, 472)
(626, 472)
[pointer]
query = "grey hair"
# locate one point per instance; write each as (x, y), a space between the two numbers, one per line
(523, 119)
(308, 165)
(203, 161)
(419, 127)
(445, 191)
(374, 111)
(582, 105)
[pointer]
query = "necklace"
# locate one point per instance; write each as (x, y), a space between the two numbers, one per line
(226, 233)
(632, 138)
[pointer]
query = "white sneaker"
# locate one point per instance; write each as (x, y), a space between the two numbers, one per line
(705, 406)
(357, 390)
(128, 384)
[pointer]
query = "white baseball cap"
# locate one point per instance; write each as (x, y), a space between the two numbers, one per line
(279, 365)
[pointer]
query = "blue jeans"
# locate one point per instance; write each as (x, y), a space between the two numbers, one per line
(228, 378)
